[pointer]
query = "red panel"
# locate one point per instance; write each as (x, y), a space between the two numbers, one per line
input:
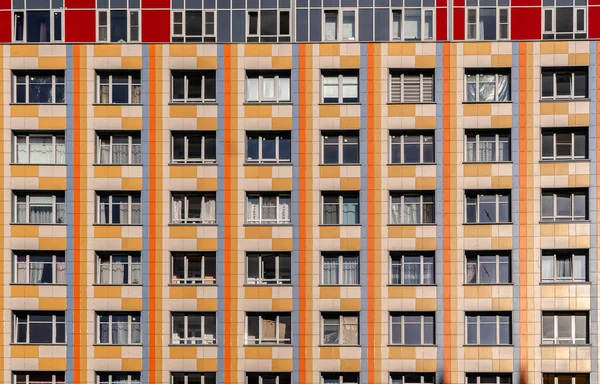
(527, 3)
(80, 4)
(156, 26)
(593, 28)
(80, 26)
(526, 23)
(5, 27)
(593, 2)
(156, 3)
(441, 24)
(459, 3)
(459, 23)
(5, 4)
(441, 3)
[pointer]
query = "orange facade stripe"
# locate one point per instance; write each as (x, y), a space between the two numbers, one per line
(302, 358)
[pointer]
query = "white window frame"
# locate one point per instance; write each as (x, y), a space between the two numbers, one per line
(36, 73)
(403, 10)
(186, 143)
(131, 86)
(258, 37)
(555, 217)
(130, 27)
(498, 322)
(571, 95)
(477, 82)
(261, 136)
(130, 145)
(340, 377)
(340, 77)
(261, 377)
(261, 280)
(573, 340)
(183, 37)
(477, 204)
(54, 322)
(186, 377)
(130, 322)
(552, 10)
(261, 196)
(23, 12)
(130, 263)
(186, 74)
(479, 376)
(340, 205)
(130, 379)
(399, 259)
(497, 142)
(204, 339)
(402, 145)
(130, 206)
(279, 339)
(477, 36)
(55, 208)
(497, 262)
(422, 204)
(185, 219)
(340, 146)
(340, 317)
(27, 136)
(54, 377)
(546, 254)
(572, 375)
(340, 263)
(260, 76)
(340, 12)
(203, 280)
(54, 262)
(402, 324)
(422, 75)
(573, 156)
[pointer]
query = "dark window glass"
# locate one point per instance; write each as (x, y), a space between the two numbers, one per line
(563, 84)
(38, 26)
(547, 84)
(564, 19)
(268, 23)
(253, 23)
(118, 27)
(57, 26)
(487, 17)
(193, 23)
(284, 23)
(210, 86)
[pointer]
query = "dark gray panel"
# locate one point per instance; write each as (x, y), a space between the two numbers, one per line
(238, 26)
(209, 4)
(223, 4)
(57, 3)
(580, 2)
(284, 3)
(331, 4)
(253, 4)
(429, 3)
(413, 3)
(268, 4)
(238, 4)
(134, 4)
(302, 25)
(193, 4)
(41, 4)
(302, 3)
(382, 3)
(397, 3)
(18, 4)
(487, 3)
(503, 3)
(365, 25)
(118, 3)
(548, 3)
(223, 20)
(315, 3)
(315, 24)
(564, 2)
(382, 25)
(365, 3)
(349, 3)
(177, 4)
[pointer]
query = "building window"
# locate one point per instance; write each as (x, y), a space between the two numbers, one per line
(194, 208)
(341, 148)
(193, 148)
(340, 329)
(119, 328)
(340, 208)
(564, 266)
(412, 268)
(118, 148)
(39, 378)
(412, 378)
(564, 205)
(194, 328)
(340, 25)
(193, 378)
(503, 378)
(340, 269)
(564, 144)
(487, 207)
(39, 267)
(196, 86)
(411, 148)
(565, 83)
(39, 208)
(268, 208)
(487, 23)
(37, 327)
(487, 86)
(119, 87)
(119, 208)
(565, 378)
(268, 147)
(268, 25)
(113, 268)
(412, 208)
(487, 267)
(487, 147)
(412, 329)
(38, 87)
(268, 86)
(412, 24)
(564, 328)
(35, 25)
(193, 26)
(411, 86)
(119, 378)
(268, 268)
(194, 268)
(566, 23)
(268, 378)
(340, 378)
(268, 328)
(39, 148)
(119, 25)
(340, 87)
(489, 328)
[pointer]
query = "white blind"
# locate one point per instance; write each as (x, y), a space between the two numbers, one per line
(412, 88)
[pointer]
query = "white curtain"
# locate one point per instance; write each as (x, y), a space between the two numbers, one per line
(61, 272)
(548, 267)
(40, 210)
(118, 273)
(331, 270)
(396, 272)
(348, 25)
(252, 89)
(252, 209)
(60, 150)
(350, 87)
(412, 273)
(104, 144)
(21, 155)
(487, 87)
(397, 25)
(395, 211)
(284, 209)
(330, 26)
(411, 213)
(471, 87)
(579, 262)
(40, 150)
(349, 330)
(412, 24)
(136, 213)
(104, 210)
(472, 271)
(563, 267)
(177, 209)
(136, 332)
(208, 210)
(104, 94)
(36, 271)
(503, 88)
(350, 270)
(350, 213)
(120, 332)
(486, 149)
(104, 272)
(136, 273)
(330, 87)
(21, 272)
(120, 150)
(136, 94)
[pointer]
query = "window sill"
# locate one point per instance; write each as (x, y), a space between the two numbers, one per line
(339, 285)
(565, 222)
(338, 104)
(194, 164)
(271, 103)
(39, 284)
(40, 164)
(566, 345)
(405, 103)
(412, 285)
(267, 285)
(191, 285)
(339, 345)
(41, 224)
(116, 285)
(116, 105)
(117, 345)
(503, 223)
(488, 345)
(565, 161)
(268, 164)
(11, 104)
(268, 225)
(340, 165)
(192, 224)
(563, 100)
(117, 165)
(340, 225)
(487, 102)
(42, 344)
(412, 345)
(408, 164)
(269, 345)
(117, 225)
(486, 162)
(412, 225)
(486, 285)
(192, 345)
(565, 283)
(193, 103)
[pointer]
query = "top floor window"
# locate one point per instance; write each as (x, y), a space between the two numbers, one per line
(340, 25)
(412, 24)
(193, 25)
(340, 87)
(35, 24)
(119, 87)
(268, 25)
(38, 87)
(565, 22)
(564, 83)
(486, 86)
(119, 24)
(487, 23)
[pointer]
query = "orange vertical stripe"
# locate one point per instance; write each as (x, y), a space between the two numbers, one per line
(303, 316)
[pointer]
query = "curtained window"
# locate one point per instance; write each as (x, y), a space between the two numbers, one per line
(118, 329)
(487, 86)
(39, 268)
(39, 208)
(267, 208)
(565, 328)
(412, 209)
(39, 327)
(340, 329)
(194, 208)
(340, 269)
(564, 266)
(412, 268)
(118, 269)
(119, 148)
(119, 87)
(119, 209)
(487, 147)
(268, 87)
